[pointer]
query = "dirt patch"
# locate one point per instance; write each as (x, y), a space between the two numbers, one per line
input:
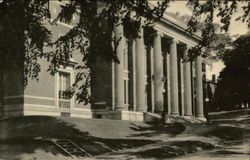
(175, 149)
(225, 152)
(193, 146)
(154, 129)
(227, 133)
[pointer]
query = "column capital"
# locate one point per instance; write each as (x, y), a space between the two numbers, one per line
(173, 40)
(186, 47)
(158, 33)
(140, 33)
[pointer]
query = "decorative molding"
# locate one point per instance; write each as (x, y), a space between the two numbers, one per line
(38, 97)
(186, 47)
(82, 109)
(13, 105)
(28, 96)
(58, 2)
(173, 40)
(38, 105)
(159, 32)
(182, 37)
(12, 97)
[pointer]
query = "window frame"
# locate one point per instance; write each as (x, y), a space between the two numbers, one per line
(70, 71)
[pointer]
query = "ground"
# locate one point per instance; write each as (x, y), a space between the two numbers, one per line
(225, 136)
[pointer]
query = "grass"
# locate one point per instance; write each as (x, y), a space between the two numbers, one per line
(34, 130)
(26, 137)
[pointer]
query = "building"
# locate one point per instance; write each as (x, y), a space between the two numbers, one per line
(150, 78)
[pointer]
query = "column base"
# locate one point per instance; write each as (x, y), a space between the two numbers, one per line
(121, 115)
(121, 108)
(141, 110)
(202, 118)
(188, 115)
(175, 114)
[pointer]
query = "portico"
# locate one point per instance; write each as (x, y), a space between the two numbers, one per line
(157, 77)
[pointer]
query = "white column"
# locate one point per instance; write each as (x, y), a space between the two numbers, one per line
(152, 75)
(174, 78)
(168, 79)
(187, 84)
(158, 74)
(119, 69)
(199, 88)
(134, 75)
(140, 75)
(182, 87)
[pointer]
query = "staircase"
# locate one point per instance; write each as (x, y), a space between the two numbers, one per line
(70, 148)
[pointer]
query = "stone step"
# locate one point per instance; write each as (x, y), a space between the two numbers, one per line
(70, 148)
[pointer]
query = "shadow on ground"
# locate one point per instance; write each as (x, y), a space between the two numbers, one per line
(227, 133)
(27, 134)
(155, 129)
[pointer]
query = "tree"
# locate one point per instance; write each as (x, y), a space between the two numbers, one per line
(215, 50)
(23, 22)
(234, 84)
(23, 35)
(207, 10)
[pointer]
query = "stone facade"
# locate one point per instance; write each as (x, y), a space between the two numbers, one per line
(147, 79)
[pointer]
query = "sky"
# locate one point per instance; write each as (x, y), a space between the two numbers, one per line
(236, 27)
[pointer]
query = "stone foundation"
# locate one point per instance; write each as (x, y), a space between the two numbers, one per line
(118, 115)
(17, 110)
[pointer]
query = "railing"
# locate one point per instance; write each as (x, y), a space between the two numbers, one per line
(64, 103)
(64, 100)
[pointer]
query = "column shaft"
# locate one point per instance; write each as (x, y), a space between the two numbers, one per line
(187, 85)
(199, 88)
(181, 87)
(134, 76)
(158, 74)
(140, 73)
(119, 69)
(168, 79)
(151, 76)
(174, 78)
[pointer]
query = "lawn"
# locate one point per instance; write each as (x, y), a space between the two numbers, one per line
(27, 137)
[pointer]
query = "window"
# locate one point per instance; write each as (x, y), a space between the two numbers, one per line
(64, 93)
(63, 49)
(203, 67)
(64, 85)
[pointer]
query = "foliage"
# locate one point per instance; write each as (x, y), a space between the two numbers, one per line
(215, 50)
(234, 84)
(24, 33)
(207, 10)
